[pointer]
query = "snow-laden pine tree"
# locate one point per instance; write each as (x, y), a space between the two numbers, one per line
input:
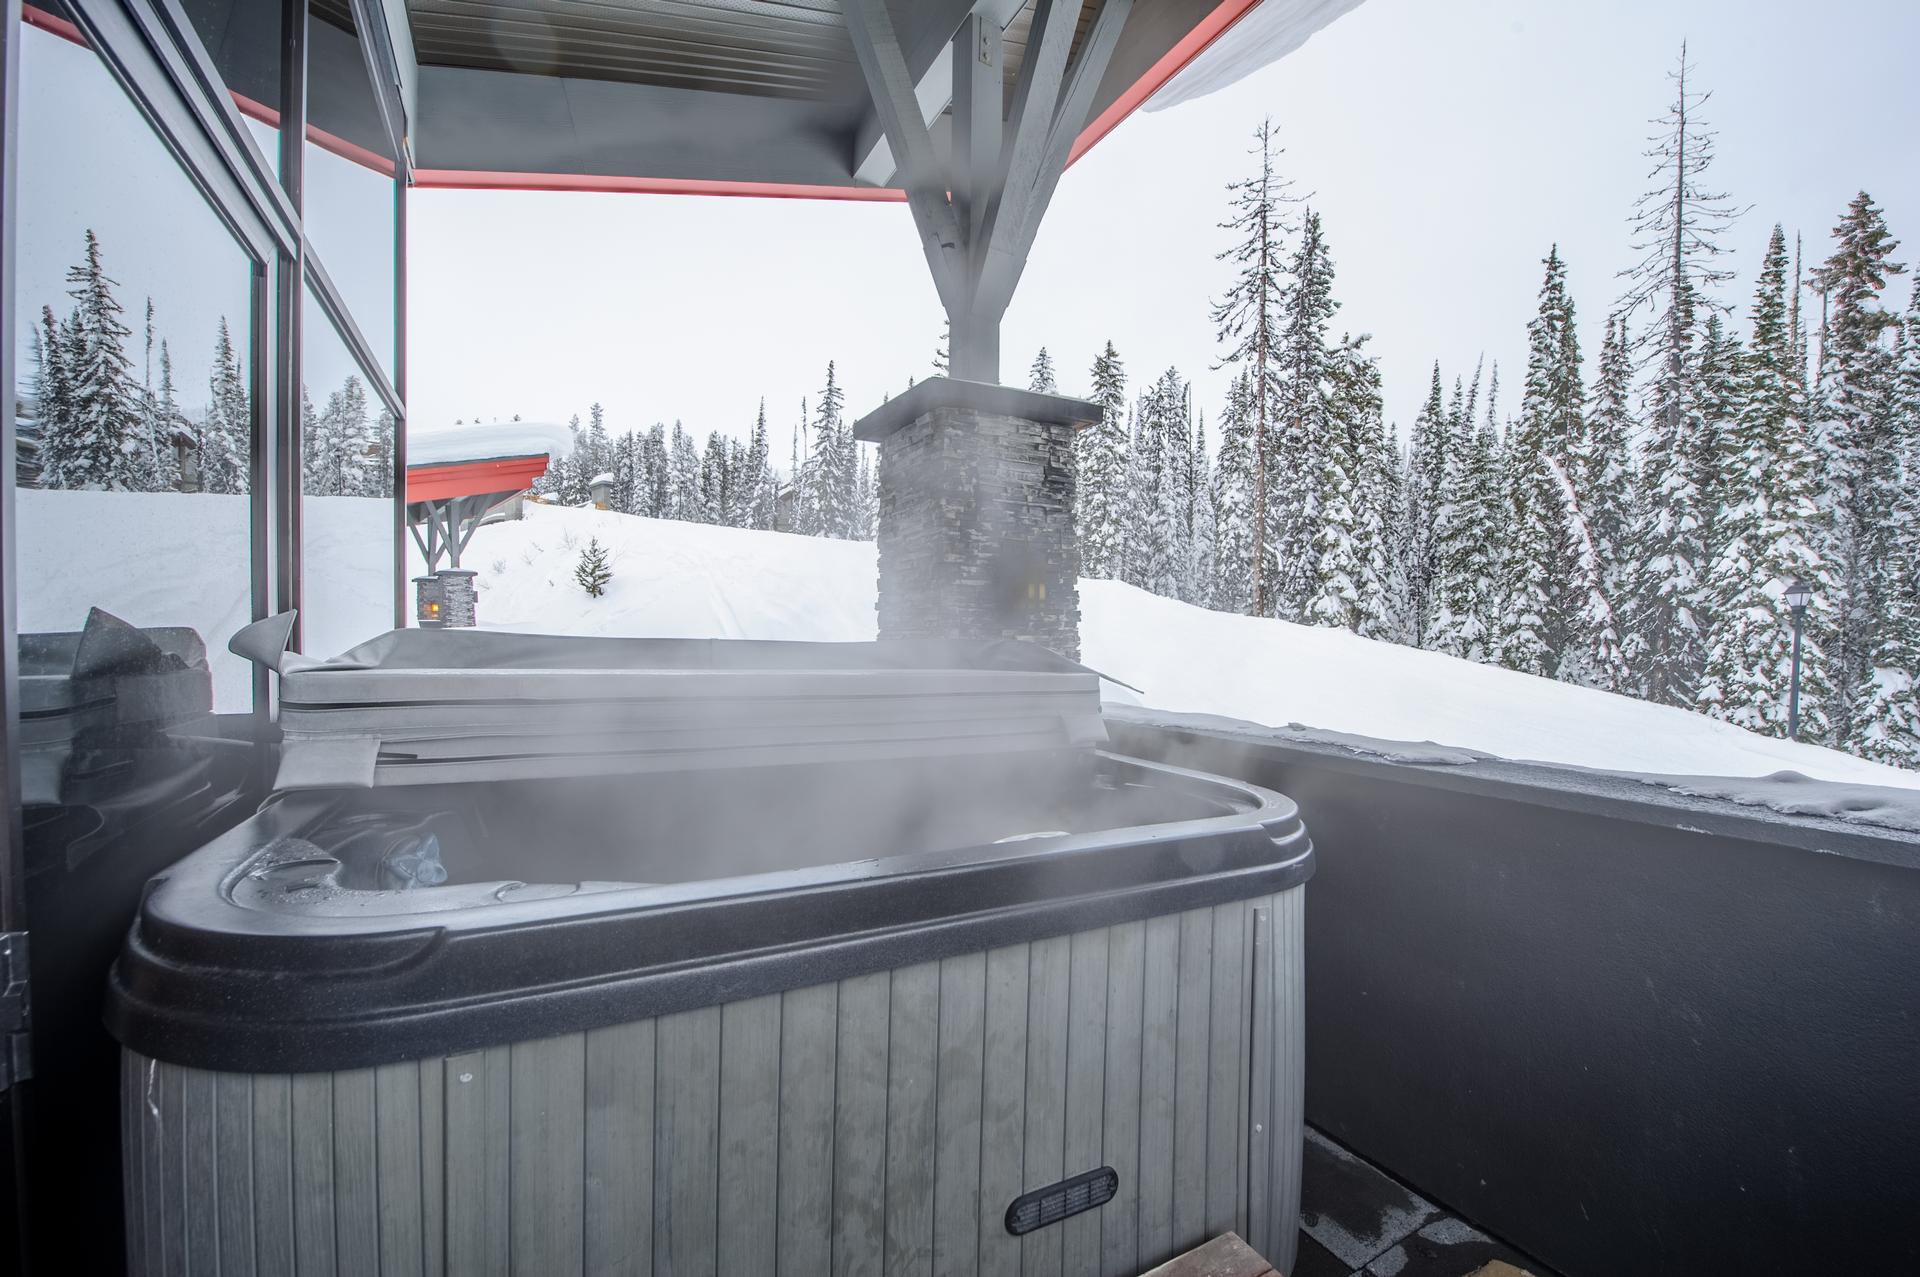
(1892, 713)
(760, 486)
(378, 478)
(227, 428)
(1248, 321)
(1202, 523)
(1591, 654)
(834, 467)
(684, 500)
(1040, 377)
(1139, 498)
(1768, 532)
(1161, 445)
(1602, 464)
(1719, 382)
(1301, 472)
(1467, 611)
(1346, 531)
(1677, 224)
(94, 443)
(1859, 431)
(1431, 487)
(716, 480)
(1556, 617)
(626, 471)
(1233, 507)
(1385, 603)
(594, 569)
(1101, 461)
(165, 424)
(1537, 577)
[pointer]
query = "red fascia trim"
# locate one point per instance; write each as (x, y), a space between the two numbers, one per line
(484, 180)
(1210, 28)
(1171, 63)
(51, 23)
(318, 136)
(472, 478)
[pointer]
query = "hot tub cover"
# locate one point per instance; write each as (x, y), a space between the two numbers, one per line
(430, 706)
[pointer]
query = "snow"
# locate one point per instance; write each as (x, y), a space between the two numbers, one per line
(692, 580)
(172, 558)
(1268, 33)
(487, 441)
(165, 558)
(1797, 795)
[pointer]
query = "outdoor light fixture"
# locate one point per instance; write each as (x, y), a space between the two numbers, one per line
(1799, 594)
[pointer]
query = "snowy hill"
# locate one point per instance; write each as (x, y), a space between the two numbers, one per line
(692, 580)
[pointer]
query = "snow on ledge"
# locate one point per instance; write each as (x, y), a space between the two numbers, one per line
(1269, 32)
(1785, 793)
(487, 441)
(1425, 752)
(1792, 794)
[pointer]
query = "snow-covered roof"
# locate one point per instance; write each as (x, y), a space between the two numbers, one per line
(1269, 32)
(487, 441)
(604, 476)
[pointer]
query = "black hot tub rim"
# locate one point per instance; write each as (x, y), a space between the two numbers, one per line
(206, 982)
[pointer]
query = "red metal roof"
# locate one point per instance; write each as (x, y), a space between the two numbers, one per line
(474, 478)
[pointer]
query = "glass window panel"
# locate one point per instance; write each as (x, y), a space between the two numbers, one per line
(135, 362)
(243, 39)
(347, 528)
(348, 190)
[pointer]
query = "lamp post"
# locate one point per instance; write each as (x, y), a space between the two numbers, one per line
(1799, 594)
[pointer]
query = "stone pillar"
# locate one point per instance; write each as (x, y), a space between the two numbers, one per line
(429, 603)
(976, 534)
(462, 602)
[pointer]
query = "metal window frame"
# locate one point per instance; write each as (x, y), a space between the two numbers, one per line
(154, 54)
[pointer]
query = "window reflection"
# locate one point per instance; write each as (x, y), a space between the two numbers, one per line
(133, 566)
(243, 39)
(347, 512)
(348, 186)
(135, 414)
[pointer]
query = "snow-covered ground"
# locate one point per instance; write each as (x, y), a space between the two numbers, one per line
(690, 580)
(174, 558)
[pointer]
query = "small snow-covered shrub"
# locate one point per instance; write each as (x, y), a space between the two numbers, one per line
(594, 569)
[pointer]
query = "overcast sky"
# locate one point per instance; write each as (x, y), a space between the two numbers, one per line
(1446, 145)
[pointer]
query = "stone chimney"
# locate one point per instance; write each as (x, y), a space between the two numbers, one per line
(976, 513)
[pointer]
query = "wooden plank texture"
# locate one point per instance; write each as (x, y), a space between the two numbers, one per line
(546, 1148)
(233, 1170)
(749, 1133)
(1190, 1082)
(686, 1163)
(860, 1129)
(1047, 992)
(1003, 1106)
(809, 1033)
(1086, 1093)
(1120, 1140)
(313, 1167)
(913, 1046)
(619, 1150)
(956, 1172)
(1157, 1055)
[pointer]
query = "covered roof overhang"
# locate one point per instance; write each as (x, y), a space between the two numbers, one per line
(726, 97)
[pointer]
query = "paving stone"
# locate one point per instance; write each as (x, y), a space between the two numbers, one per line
(1449, 1247)
(1353, 1209)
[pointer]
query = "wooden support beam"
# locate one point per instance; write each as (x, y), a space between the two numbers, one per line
(1035, 97)
(877, 47)
(1063, 118)
(979, 78)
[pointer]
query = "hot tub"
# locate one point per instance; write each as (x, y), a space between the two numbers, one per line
(1033, 1011)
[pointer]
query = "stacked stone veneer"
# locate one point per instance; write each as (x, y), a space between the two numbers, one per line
(460, 601)
(976, 535)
